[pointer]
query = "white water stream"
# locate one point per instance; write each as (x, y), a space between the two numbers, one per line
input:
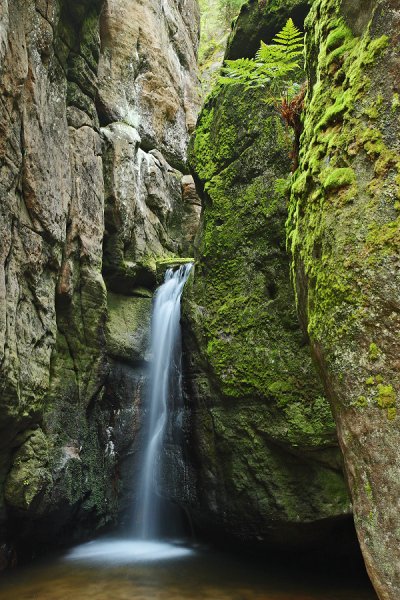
(165, 392)
(165, 378)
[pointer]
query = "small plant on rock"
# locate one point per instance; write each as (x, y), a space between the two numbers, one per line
(277, 67)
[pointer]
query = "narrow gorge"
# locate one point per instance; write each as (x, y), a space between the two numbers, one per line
(121, 162)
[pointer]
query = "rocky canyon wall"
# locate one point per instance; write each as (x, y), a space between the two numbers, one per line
(254, 413)
(344, 236)
(97, 103)
(265, 467)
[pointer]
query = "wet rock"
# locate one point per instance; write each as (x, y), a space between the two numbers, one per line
(128, 327)
(82, 207)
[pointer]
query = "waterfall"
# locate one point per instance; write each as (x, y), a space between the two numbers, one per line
(164, 382)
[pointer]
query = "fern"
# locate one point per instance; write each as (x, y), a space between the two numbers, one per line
(290, 38)
(245, 71)
(276, 66)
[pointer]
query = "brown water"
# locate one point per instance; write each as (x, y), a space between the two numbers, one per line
(119, 572)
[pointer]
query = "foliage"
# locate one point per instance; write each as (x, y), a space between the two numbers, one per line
(216, 19)
(277, 67)
(228, 10)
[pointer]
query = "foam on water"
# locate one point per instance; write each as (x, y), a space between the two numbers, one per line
(115, 552)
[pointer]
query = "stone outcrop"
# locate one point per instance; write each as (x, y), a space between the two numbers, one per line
(344, 235)
(97, 103)
(263, 457)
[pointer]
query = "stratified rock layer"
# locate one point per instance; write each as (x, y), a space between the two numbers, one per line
(264, 447)
(344, 234)
(95, 100)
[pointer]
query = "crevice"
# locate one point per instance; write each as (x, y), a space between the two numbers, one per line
(92, 127)
(6, 282)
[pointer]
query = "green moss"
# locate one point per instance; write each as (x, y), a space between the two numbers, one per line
(374, 352)
(30, 473)
(345, 253)
(395, 102)
(282, 186)
(368, 490)
(384, 238)
(162, 264)
(172, 261)
(337, 37)
(240, 302)
(336, 178)
(332, 129)
(386, 396)
(128, 327)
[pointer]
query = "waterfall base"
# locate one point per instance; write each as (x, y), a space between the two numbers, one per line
(124, 552)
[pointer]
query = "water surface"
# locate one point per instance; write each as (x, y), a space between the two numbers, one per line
(126, 570)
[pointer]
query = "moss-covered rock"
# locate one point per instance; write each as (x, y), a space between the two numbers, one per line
(128, 327)
(344, 234)
(264, 437)
(29, 475)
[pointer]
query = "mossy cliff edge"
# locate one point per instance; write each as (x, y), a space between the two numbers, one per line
(344, 234)
(264, 448)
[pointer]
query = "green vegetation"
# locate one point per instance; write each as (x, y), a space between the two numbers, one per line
(216, 19)
(249, 328)
(339, 126)
(276, 67)
(260, 395)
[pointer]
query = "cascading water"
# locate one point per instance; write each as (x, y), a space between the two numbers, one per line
(165, 391)
(164, 382)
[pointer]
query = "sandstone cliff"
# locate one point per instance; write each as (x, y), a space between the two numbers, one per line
(98, 100)
(97, 103)
(344, 235)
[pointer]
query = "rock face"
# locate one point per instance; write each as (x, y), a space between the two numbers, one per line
(263, 454)
(97, 103)
(344, 235)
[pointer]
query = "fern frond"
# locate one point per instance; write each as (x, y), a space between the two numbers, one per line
(245, 71)
(269, 52)
(290, 37)
(274, 66)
